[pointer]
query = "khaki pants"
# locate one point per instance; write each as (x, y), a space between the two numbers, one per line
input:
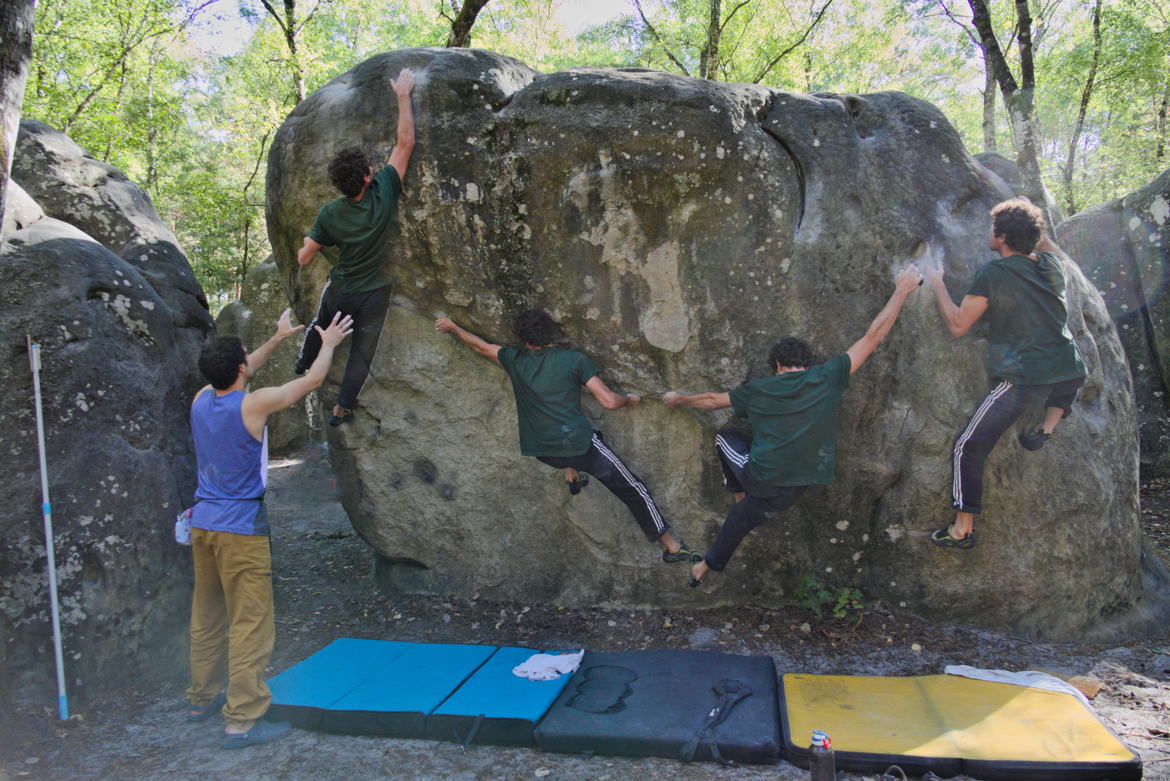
(232, 622)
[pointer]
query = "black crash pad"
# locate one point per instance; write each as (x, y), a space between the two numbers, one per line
(656, 703)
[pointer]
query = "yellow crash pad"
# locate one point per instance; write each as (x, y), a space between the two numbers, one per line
(948, 716)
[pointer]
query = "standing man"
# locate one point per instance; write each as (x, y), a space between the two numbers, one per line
(546, 381)
(358, 224)
(1030, 353)
(794, 428)
(232, 624)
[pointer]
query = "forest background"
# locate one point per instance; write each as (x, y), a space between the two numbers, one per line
(186, 95)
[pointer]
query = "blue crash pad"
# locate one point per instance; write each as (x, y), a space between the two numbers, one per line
(372, 687)
(495, 706)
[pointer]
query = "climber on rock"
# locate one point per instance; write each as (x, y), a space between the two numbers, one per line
(232, 613)
(794, 428)
(546, 381)
(358, 224)
(1031, 356)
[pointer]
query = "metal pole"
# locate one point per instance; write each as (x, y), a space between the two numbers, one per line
(34, 358)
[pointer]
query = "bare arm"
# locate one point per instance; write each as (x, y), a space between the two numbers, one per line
(445, 325)
(307, 252)
(259, 404)
(959, 319)
(404, 143)
(259, 356)
(709, 400)
(608, 398)
(904, 284)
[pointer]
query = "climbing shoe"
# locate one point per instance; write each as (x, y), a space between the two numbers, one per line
(204, 712)
(942, 538)
(1034, 439)
(261, 732)
(345, 417)
(684, 554)
(692, 581)
(575, 486)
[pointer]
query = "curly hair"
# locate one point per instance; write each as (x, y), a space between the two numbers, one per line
(348, 169)
(220, 360)
(536, 327)
(1019, 222)
(792, 352)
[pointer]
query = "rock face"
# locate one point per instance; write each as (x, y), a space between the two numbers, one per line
(117, 314)
(1122, 246)
(253, 318)
(677, 227)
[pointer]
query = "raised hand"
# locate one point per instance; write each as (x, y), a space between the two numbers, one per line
(404, 83)
(284, 326)
(341, 327)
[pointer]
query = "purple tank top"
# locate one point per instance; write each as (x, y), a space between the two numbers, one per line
(233, 467)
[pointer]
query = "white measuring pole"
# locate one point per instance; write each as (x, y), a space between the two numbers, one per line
(34, 359)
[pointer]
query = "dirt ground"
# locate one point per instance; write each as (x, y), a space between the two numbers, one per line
(324, 591)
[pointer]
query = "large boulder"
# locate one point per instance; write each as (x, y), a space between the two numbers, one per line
(1123, 247)
(253, 319)
(676, 227)
(119, 324)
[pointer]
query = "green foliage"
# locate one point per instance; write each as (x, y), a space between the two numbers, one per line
(130, 83)
(811, 595)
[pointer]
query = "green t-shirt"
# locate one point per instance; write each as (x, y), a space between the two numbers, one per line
(794, 422)
(359, 230)
(547, 384)
(1028, 340)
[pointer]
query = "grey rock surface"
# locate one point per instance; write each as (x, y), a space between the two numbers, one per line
(20, 210)
(1122, 245)
(1009, 171)
(253, 319)
(119, 338)
(677, 227)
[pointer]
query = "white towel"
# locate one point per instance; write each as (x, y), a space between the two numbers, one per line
(546, 667)
(1033, 678)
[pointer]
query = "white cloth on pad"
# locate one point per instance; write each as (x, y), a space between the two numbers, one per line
(546, 667)
(1033, 678)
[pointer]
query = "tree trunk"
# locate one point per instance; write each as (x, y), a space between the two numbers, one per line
(989, 144)
(1161, 150)
(709, 57)
(1086, 96)
(16, 30)
(290, 36)
(460, 35)
(1018, 97)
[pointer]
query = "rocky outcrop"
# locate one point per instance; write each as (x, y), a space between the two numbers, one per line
(253, 318)
(117, 313)
(1009, 171)
(676, 227)
(1122, 246)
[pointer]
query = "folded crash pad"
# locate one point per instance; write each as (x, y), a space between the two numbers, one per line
(495, 706)
(680, 704)
(952, 725)
(373, 687)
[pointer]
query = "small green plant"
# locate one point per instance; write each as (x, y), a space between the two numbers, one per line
(847, 603)
(811, 595)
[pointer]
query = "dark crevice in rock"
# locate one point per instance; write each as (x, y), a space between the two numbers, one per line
(1155, 357)
(800, 175)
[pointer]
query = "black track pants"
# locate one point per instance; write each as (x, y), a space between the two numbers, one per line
(999, 410)
(603, 464)
(368, 310)
(762, 503)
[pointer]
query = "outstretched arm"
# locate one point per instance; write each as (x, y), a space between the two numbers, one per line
(959, 319)
(259, 356)
(404, 143)
(608, 398)
(708, 400)
(260, 404)
(307, 252)
(446, 325)
(904, 284)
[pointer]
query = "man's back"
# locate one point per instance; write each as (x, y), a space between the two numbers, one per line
(547, 385)
(1029, 342)
(359, 230)
(232, 466)
(794, 422)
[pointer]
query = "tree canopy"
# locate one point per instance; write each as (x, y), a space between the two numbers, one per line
(156, 88)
